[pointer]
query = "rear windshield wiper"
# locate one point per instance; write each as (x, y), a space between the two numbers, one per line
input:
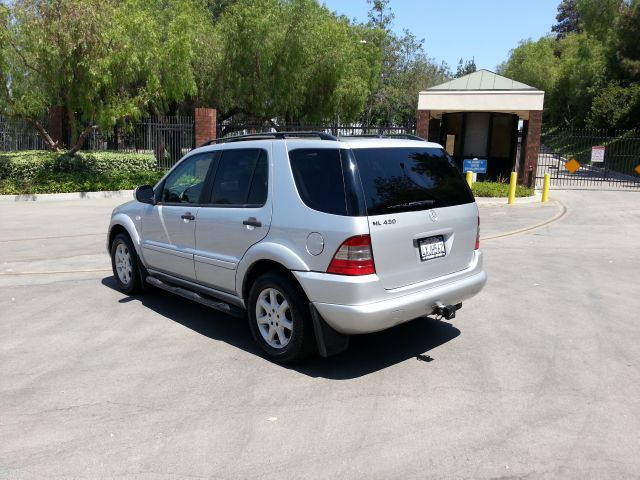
(420, 203)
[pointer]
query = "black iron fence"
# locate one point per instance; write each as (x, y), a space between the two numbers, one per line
(167, 137)
(17, 134)
(170, 137)
(590, 158)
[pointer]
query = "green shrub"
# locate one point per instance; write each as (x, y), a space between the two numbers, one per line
(47, 172)
(101, 162)
(26, 165)
(498, 189)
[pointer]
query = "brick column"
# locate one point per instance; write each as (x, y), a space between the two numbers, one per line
(205, 125)
(534, 130)
(422, 123)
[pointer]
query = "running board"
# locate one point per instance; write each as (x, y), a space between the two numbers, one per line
(196, 297)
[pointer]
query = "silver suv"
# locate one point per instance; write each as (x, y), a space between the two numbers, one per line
(316, 238)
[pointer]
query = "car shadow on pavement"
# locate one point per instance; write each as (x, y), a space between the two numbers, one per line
(376, 351)
(366, 353)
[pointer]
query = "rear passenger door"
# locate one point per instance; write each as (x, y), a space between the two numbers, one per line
(236, 215)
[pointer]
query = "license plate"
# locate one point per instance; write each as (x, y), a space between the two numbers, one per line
(432, 247)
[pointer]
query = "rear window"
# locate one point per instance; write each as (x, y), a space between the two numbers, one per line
(325, 180)
(406, 179)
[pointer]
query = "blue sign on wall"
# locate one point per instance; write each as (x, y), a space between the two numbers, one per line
(474, 165)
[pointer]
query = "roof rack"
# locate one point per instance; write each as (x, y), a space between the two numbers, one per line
(405, 136)
(273, 135)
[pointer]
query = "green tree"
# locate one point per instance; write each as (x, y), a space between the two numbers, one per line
(465, 68)
(598, 16)
(100, 60)
(534, 63)
(293, 61)
(405, 70)
(568, 19)
(626, 42)
(581, 75)
(616, 106)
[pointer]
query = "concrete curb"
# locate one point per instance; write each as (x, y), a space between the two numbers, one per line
(58, 197)
(487, 201)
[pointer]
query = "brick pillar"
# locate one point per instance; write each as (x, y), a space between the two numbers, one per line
(534, 130)
(205, 125)
(55, 126)
(422, 123)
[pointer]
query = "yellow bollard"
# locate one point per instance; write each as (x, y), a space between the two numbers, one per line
(470, 178)
(512, 187)
(545, 187)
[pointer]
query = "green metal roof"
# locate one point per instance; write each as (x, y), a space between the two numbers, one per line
(482, 80)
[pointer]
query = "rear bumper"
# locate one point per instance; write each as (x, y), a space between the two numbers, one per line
(366, 307)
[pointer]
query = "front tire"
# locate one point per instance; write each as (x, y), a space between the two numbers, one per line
(125, 264)
(279, 318)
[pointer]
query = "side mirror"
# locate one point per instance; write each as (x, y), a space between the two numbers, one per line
(145, 194)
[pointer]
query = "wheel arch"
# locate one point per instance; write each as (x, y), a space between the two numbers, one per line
(124, 224)
(261, 267)
(264, 256)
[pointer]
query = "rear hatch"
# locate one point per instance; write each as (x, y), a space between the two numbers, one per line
(423, 218)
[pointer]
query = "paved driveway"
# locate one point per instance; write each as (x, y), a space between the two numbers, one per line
(538, 377)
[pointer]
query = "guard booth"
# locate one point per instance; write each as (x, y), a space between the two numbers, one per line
(486, 116)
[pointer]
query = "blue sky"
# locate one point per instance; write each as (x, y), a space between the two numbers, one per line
(454, 29)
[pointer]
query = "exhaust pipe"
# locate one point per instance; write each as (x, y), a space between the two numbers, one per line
(448, 312)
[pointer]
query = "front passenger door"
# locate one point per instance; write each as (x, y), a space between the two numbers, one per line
(168, 228)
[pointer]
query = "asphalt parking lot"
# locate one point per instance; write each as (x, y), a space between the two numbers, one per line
(537, 377)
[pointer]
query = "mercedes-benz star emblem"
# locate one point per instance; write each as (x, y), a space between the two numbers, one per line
(433, 215)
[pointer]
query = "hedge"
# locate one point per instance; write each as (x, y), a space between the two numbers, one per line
(47, 172)
(27, 165)
(499, 189)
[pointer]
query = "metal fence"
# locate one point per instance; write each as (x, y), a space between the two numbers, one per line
(167, 137)
(590, 158)
(170, 137)
(16, 134)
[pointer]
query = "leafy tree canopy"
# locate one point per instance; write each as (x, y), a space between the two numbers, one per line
(405, 70)
(291, 60)
(591, 70)
(465, 68)
(100, 60)
(568, 19)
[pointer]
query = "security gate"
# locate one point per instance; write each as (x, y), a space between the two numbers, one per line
(590, 159)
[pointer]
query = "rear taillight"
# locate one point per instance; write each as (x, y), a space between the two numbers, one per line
(478, 236)
(354, 257)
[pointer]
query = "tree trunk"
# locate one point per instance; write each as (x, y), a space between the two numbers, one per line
(53, 145)
(81, 139)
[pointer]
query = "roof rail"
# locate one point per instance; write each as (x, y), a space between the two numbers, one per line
(405, 136)
(273, 135)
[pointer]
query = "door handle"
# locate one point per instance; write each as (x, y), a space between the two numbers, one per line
(188, 216)
(252, 222)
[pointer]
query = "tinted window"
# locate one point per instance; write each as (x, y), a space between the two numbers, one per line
(319, 179)
(241, 178)
(404, 179)
(184, 184)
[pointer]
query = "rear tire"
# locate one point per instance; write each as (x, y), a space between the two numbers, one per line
(125, 264)
(279, 318)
